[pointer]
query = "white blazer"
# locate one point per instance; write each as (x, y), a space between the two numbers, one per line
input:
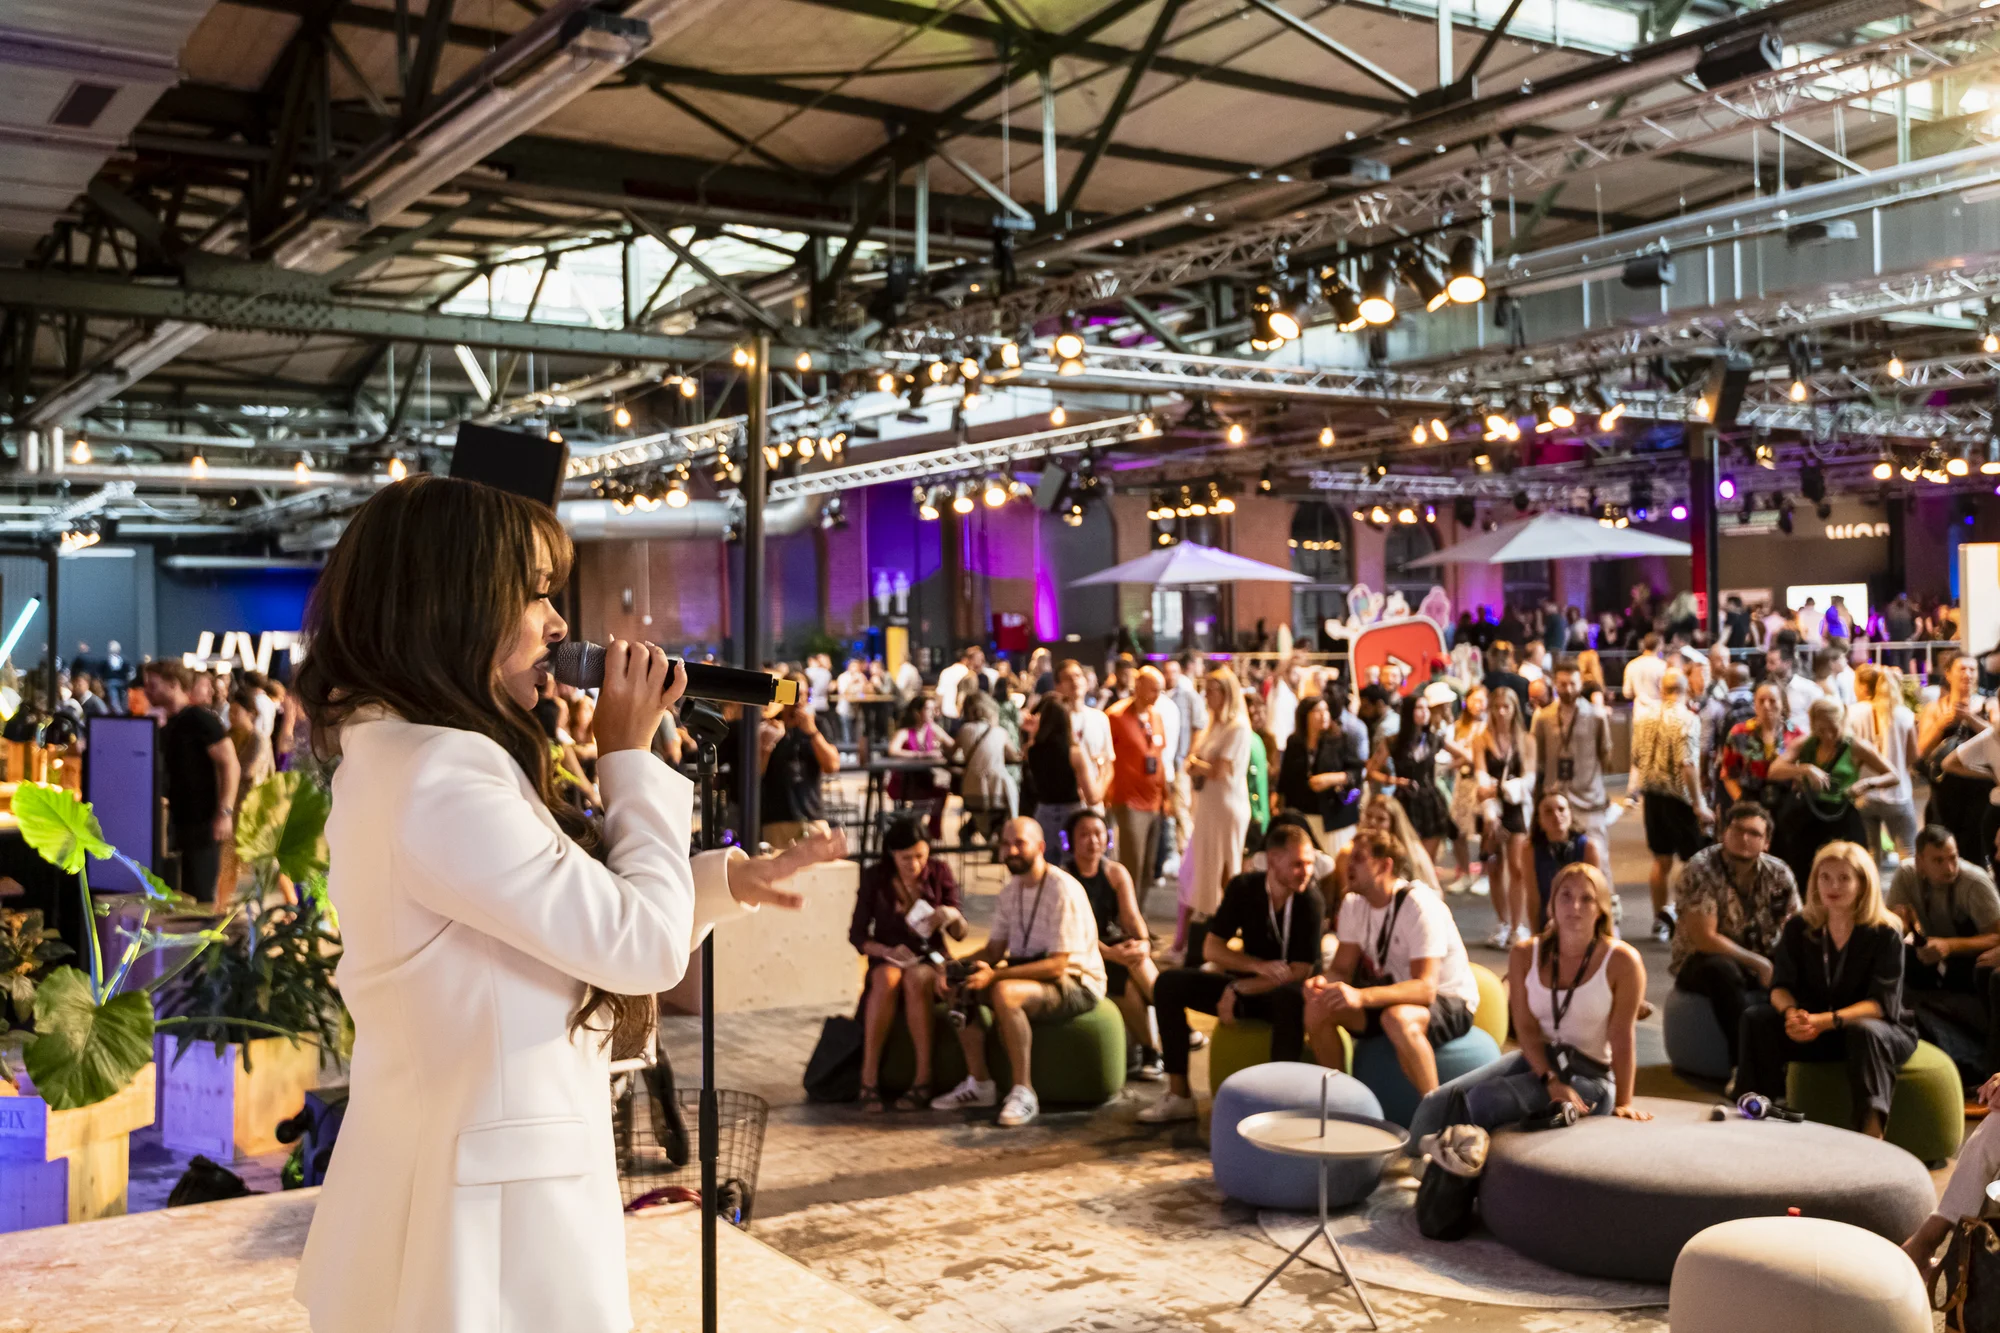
(474, 1187)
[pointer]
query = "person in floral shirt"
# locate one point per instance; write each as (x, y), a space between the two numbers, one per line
(1730, 903)
(1751, 746)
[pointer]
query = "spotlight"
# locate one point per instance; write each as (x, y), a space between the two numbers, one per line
(1561, 414)
(79, 452)
(885, 382)
(1147, 426)
(1895, 366)
(1956, 463)
(1797, 393)
(833, 518)
(961, 499)
(1990, 342)
(1420, 434)
(689, 388)
(996, 492)
(198, 466)
(398, 469)
(1726, 487)
(1885, 466)
(621, 417)
(1057, 416)
(1991, 462)
(1345, 303)
(303, 468)
(1235, 434)
(1379, 468)
(739, 356)
(1423, 276)
(927, 503)
(677, 495)
(1544, 421)
(935, 372)
(1482, 462)
(804, 362)
(555, 436)
(1264, 481)
(1765, 454)
(1005, 356)
(1467, 283)
(1679, 512)
(1326, 437)
(1406, 515)
(1378, 516)
(1272, 322)
(1378, 294)
(1439, 431)
(1069, 346)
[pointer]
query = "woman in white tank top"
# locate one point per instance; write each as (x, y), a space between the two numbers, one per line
(1574, 993)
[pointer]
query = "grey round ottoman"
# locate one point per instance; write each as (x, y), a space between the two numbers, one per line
(1618, 1198)
(1254, 1175)
(1695, 1044)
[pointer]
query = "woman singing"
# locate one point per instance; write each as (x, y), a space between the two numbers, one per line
(490, 954)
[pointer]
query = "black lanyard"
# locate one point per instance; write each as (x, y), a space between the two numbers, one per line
(1560, 999)
(1562, 745)
(1033, 916)
(1833, 961)
(1285, 934)
(1388, 929)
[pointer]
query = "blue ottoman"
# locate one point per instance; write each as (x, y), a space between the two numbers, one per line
(1696, 1047)
(1375, 1064)
(1266, 1179)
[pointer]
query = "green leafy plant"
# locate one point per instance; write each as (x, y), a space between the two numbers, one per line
(273, 974)
(27, 950)
(90, 1039)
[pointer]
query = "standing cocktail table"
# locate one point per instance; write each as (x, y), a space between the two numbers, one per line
(1324, 1138)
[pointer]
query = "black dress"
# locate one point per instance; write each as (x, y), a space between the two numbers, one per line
(1430, 814)
(1822, 979)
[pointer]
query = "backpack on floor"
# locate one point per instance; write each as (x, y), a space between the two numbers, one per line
(833, 1074)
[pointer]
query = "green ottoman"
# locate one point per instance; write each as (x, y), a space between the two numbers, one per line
(1080, 1061)
(1234, 1046)
(1927, 1117)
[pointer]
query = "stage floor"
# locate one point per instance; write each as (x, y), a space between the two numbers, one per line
(228, 1268)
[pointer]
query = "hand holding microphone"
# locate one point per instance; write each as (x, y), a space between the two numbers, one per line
(638, 684)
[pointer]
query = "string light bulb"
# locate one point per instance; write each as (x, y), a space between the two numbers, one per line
(1895, 366)
(804, 362)
(80, 451)
(1326, 437)
(398, 469)
(1990, 343)
(622, 417)
(688, 388)
(198, 466)
(1235, 432)
(555, 436)
(739, 356)
(1057, 416)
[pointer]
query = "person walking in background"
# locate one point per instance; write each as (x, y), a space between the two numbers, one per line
(1062, 776)
(1504, 767)
(1960, 795)
(1572, 740)
(1319, 773)
(202, 777)
(1880, 719)
(1218, 768)
(988, 789)
(1406, 766)
(1666, 768)
(1137, 794)
(1471, 720)
(1642, 677)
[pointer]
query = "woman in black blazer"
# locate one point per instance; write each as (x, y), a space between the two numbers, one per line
(1836, 990)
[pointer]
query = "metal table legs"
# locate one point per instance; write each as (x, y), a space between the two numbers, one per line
(1341, 1259)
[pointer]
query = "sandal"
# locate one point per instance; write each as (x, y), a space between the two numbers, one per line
(918, 1098)
(871, 1099)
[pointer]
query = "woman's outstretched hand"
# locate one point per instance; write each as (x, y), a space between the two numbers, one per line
(765, 879)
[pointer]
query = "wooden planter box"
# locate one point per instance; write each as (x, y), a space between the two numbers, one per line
(68, 1166)
(212, 1105)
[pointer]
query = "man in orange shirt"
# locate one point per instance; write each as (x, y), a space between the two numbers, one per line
(1138, 777)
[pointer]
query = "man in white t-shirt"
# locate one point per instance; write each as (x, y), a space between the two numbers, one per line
(1044, 919)
(1092, 728)
(951, 680)
(1400, 970)
(1642, 676)
(1799, 692)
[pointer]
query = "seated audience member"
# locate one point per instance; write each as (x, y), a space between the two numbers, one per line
(920, 736)
(1122, 937)
(1382, 813)
(985, 748)
(1557, 842)
(1043, 919)
(793, 757)
(908, 903)
(1278, 918)
(1836, 990)
(1730, 902)
(1953, 913)
(1574, 992)
(1400, 970)
(1964, 1198)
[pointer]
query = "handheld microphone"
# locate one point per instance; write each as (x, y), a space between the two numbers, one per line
(580, 663)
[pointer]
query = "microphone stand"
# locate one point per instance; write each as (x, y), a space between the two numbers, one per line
(706, 724)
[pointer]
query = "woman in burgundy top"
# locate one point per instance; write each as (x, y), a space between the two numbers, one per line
(888, 902)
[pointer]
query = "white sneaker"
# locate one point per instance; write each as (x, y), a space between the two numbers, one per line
(1521, 935)
(1020, 1107)
(1480, 887)
(1502, 937)
(972, 1092)
(1170, 1106)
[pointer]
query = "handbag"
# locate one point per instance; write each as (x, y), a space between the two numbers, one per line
(1448, 1194)
(1972, 1278)
(833, 1074)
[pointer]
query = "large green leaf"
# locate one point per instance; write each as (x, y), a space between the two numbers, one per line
(84, 1052)
(56, 824)
(283, 824)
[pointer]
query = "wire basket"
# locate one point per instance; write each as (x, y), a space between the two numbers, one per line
(645, 1175)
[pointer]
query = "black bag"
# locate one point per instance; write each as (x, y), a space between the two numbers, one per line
(834, 1072)
(1446, 1203)
(206, 1182)
(1972, 1278)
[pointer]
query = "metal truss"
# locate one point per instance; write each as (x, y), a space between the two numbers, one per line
(1146, 370)
(970, 459)
(686, 442)
(1447, 189)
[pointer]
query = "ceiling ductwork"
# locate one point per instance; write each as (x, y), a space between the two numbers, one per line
(699, 520)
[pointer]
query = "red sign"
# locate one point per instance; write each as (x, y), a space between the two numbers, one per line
(1410, 643)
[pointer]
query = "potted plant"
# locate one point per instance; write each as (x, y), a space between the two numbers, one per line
(258, 1019)
(85, 1080)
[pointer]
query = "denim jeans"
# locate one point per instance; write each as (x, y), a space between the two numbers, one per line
(1504, 1092)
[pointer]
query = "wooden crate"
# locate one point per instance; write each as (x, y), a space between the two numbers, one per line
(69, 1166)
(211, 1104)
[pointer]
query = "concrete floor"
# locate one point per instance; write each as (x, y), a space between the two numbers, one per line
(1085, 1220)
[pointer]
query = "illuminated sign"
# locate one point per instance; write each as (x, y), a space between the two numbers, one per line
(239, 649)
(1836, 532)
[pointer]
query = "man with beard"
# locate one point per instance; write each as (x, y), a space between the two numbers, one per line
(1042, 962)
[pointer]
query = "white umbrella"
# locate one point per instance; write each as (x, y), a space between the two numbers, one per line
(1191, 562)
(1553, 536)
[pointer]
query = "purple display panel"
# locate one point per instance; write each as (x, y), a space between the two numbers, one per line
(118, 781)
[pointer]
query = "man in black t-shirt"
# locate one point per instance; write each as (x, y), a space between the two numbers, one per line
(202, 773)
(794, 757)
(1500, 675)
(1279, 919)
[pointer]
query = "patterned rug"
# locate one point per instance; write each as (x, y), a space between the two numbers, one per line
(1385, 1249)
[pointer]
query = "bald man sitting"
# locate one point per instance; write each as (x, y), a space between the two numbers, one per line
(1040, 963)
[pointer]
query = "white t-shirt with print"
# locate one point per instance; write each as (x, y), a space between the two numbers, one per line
(1424, 929)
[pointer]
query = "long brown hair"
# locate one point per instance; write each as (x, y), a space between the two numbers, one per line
(411, 614)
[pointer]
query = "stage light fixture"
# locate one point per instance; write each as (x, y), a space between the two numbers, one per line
(1069, 345)
(1235, 434)
(1420, 434)
(739, 356)
(1146, 426)
(1989, 341)
(1991, 462)
(1378, 294)
(968, 368)
(1406, 515)
(1539, 407)
(1957, 464)
(1326, 437)
(1885, 466)
(961, 499)
(303, 468)
(198, 466)
(935, 372)
(1765, 455)
(1439, 431)
(1726, 486)
(927, 503)
(804, 362)
(1895, 366)
(1379, 468)
(1467, 284)
(677, 495)
(79, 452)
(1264, 481)
(689, 388)
(621, 417)
(1424, 277)
(1679, 512)
(1482, 462)
(1561, 415)
(1057, 416)
(398, 469)
(995, 493)
(885, 382)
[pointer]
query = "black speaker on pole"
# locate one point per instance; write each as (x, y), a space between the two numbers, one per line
(1049, 490)
(512, 460)
(1740, 58)
(1728, 377)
